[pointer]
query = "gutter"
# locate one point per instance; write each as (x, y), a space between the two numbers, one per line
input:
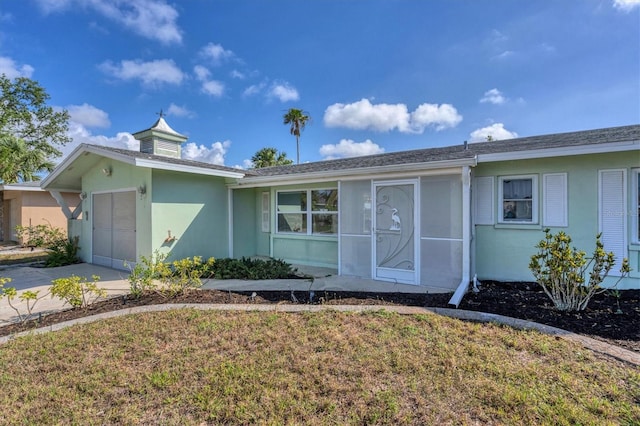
(463, 287)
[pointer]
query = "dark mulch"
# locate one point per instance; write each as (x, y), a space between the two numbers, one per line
(601, 320)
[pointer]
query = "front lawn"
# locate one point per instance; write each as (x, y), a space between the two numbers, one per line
(190, 367)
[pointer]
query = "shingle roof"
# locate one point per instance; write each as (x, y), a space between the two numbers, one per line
(456, 152)
(170, 160)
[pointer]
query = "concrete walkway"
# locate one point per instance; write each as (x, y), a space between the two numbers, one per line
(116, 283)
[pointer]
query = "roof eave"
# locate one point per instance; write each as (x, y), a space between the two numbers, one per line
(561, 151)
(159, 165)
(261, 181)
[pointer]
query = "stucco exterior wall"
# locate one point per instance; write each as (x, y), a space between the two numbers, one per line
(245, 220)
(31, 208)
(503, 251)
(123, 177)
(195, 209)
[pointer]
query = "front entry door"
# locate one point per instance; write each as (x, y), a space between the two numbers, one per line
(395, 242)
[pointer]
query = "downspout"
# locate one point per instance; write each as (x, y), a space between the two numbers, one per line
(463, 287)
(230, 220)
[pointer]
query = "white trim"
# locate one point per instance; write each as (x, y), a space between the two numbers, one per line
(561, 152)
(395, 171)
(549, 207)
(141, 162)
(485, 187)
(535, 195)
(230, 221)
(25, 188)
(463, 287)
(416, 233)
(309, 212)
(339, 232)
(635, 208)
(160, 165)
(603, 210)
(108, 191)
(265, 228)
(441, 239)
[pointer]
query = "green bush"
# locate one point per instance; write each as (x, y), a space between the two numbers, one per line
(252, 269)
(168, 278)
(77, 291)
(562, 271)
(61, 250)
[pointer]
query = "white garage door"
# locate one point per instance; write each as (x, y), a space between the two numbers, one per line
(114, 229)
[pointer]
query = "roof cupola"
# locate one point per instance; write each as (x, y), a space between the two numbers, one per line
(160, 139)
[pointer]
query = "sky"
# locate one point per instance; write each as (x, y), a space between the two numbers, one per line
(374, 75)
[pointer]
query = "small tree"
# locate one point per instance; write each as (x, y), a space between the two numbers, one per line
(562, 271)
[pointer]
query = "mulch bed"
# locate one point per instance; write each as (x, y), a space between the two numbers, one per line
(601, 320)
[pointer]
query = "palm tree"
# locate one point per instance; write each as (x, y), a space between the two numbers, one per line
(19, 163)
(268, 157)
(297, 118)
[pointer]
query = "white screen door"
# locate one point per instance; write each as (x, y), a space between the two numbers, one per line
(395, 242)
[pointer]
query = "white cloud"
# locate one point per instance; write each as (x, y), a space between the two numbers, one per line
(363, 115)
(88, 116)
(504, 55)
(214, 154)
(496, 131)
(180, 111)
(284, 92)
(152, 19)
(237, 75)
(349, 148)
(216, 53)
(12, 70)
(438, 116)
(151, 73)
(213, 88)
(80, 134)
(493, 96)
(626, 5)
(210, 87)
(254, 89)
(202, 73)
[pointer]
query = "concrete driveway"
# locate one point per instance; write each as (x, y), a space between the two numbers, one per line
(39, 279)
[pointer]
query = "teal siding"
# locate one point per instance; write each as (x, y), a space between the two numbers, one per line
(502, 252)
(195, 209)
(315, 251)
(245, 230)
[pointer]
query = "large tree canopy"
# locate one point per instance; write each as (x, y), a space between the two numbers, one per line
(268, 157)
(297, 119)
(25, 117)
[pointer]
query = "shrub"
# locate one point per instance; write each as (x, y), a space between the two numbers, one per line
(77, 291)
(562, 271)
(147, 271)
(29, 296)
(252, 269)
(168, 278)
(61, 250)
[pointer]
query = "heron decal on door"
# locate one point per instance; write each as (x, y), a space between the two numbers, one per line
(395, 219)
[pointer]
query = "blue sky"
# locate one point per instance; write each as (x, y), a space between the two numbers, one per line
(375, 76)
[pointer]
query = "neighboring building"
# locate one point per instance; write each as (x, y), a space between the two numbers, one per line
(424, 220)
(27, 204)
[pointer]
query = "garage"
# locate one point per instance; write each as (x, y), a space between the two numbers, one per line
(114, 229)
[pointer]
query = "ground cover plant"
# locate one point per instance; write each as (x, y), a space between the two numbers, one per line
(192, 367)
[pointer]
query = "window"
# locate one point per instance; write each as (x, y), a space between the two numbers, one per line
(297, 215)
(518, 198)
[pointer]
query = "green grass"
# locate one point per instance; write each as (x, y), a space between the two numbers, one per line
(194, 367)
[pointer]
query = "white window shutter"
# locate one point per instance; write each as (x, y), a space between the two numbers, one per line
(612, 214)
(554, 202)
(265, 212)
(484, 200)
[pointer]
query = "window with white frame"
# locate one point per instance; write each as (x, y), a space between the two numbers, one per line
(518, 199)
(312, 211)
